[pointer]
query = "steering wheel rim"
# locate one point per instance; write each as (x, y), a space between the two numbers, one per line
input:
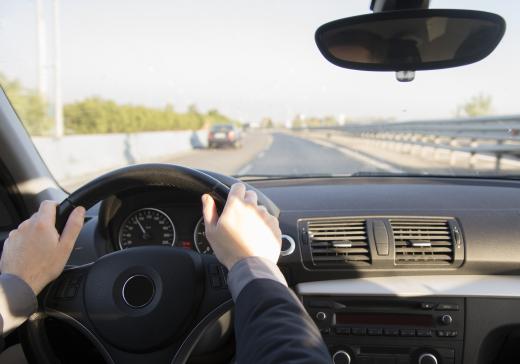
(208, 302)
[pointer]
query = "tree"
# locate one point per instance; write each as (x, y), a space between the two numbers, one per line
(29, 105)
(478, 105)
(95, 115)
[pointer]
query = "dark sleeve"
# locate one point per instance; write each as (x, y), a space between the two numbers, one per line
(271, 326)
(17, 302)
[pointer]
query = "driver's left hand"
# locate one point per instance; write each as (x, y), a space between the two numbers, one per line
(35, 252)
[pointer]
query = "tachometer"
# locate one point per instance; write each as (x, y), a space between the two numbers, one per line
(146, 226)
(199, 238)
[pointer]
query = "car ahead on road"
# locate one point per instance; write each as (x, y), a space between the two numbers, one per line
(401, 240)
(224, 135)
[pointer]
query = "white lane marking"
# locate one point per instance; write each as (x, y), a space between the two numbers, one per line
(244, 170)
(360, 157)
(248, 167)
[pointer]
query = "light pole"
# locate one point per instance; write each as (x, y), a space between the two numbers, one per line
(58, 102)
(40, 43)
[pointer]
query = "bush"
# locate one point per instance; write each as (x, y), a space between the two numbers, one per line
(96, 115)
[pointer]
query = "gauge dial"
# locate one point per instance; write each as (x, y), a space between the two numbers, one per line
(199, 238)
(146, 226)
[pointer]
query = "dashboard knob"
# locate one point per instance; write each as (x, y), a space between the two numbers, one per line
(341, 357)
(446, 320)
(320, 316)
(427, 358)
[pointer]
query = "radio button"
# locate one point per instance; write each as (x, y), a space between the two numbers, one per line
(358, 331)
(428, 358)
(446, 320)
(427, 305)
(375, 332)
(325, 331)
(407, 332)
(341, 357)
(391, 332)
(424, 333)
(321, 316)
(446, 333)
(447, 307)
(342, 330)
(453, 333)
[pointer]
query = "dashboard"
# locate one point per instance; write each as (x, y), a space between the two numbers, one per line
(392, 270)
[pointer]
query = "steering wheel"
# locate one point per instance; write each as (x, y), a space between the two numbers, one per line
(142, 305)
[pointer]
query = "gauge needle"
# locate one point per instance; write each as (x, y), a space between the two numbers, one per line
(140, 226)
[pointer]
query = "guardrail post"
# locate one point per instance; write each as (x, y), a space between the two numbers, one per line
(473, 159)
(498, 162)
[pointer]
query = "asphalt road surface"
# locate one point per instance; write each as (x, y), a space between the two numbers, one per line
(279, 153)
(290, 154)
(265, 153)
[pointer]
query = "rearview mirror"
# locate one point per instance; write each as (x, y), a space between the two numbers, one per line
(410, 40)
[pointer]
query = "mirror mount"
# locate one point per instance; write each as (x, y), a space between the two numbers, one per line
(405, 76)
(378, 6)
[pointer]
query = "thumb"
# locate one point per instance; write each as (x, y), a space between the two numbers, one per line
(72, 230)
(209, 210)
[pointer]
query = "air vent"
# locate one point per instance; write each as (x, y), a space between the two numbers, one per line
(340, 241)
(424, 241)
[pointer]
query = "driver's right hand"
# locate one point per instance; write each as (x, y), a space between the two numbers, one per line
(243, 230)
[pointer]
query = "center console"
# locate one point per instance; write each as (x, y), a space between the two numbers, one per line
(384, 330)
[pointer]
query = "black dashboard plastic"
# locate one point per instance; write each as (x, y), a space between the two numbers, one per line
(487, 211)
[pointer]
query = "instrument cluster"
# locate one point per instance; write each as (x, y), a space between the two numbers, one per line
(152, 226)
(156, 217)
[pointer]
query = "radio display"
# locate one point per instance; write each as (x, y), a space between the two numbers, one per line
(384, 319)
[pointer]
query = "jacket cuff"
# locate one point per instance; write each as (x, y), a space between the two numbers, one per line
(248, 269)
(17, 302)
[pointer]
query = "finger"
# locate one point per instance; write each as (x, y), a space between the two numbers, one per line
(273, 220)
(12, 234)
(72, 229)
(262, 210)
(47, 213)
(209, 211)
(251, 198)
(24, 224)
(238, 190)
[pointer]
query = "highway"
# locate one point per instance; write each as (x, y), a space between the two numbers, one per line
(277, 153)
(269, 153)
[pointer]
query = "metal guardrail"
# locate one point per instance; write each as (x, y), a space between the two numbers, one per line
(498, 136)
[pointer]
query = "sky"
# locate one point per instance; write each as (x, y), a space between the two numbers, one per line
(248, 59)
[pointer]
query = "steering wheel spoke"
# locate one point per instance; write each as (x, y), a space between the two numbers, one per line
(216, 290)
(63, 298)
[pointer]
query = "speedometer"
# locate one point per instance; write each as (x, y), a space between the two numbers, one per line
(199, 238)
(146, 226)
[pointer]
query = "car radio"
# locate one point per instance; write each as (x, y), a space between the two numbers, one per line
(384, 330)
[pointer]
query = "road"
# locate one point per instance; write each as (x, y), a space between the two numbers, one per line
(265, 153)
(289, 154)
(279, 153)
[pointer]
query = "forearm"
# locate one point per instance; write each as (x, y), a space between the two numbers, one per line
(271, 325)
(17, 302)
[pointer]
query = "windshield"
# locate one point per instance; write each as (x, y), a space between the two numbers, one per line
(241, 88)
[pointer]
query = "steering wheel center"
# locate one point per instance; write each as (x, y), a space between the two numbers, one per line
(138, 291)
(141, 299)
